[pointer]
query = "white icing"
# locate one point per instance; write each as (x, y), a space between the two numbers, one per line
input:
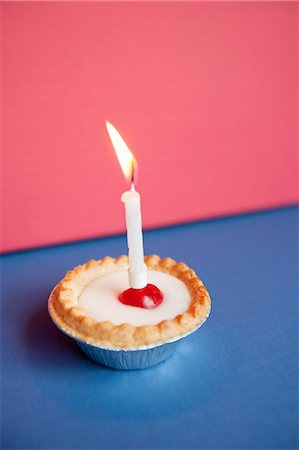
(99, 299)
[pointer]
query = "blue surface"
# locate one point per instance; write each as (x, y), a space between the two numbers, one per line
(230, 385)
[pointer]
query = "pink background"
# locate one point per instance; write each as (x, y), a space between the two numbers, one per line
(205, 95)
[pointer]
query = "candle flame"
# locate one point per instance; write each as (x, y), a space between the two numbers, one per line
(125, 156)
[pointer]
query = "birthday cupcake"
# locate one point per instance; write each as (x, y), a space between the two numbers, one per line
(86, 305)
(129, 312)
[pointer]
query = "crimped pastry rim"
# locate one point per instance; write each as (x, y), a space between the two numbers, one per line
(71, 318)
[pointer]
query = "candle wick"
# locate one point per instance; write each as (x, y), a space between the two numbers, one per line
(133, 175)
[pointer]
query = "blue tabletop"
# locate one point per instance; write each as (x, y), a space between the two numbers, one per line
(232, 384)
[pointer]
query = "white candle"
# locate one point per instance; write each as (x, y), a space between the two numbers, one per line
(131, 199)
(137, 270)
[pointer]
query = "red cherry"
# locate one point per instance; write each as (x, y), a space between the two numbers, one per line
(148, 297)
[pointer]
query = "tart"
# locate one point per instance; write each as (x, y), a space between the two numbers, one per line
(109, 324)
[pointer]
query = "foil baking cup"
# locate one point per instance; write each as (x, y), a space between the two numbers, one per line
(131, 358)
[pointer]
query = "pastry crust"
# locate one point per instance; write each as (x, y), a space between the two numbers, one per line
(71, 318)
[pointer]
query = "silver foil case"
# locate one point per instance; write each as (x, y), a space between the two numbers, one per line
(132, 358)
(129, 359)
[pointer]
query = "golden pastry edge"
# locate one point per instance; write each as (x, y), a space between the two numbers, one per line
(65, 311)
